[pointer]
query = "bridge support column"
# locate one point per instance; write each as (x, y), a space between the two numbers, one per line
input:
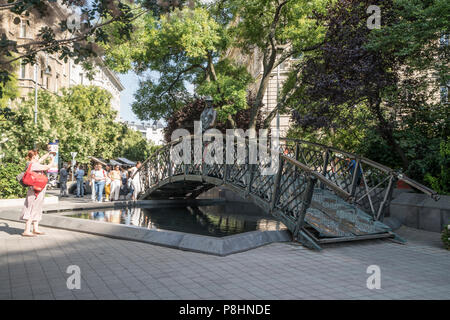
(276, 184)
(251, 171)
(384, 206)
(354, 180)
(325, 166)
(306, 202)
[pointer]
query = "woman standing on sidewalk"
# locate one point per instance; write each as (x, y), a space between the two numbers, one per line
(32, 210)
(115, 183)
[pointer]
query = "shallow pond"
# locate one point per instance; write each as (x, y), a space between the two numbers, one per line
(212, 220)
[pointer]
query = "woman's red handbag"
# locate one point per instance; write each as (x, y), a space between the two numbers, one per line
(36, 180)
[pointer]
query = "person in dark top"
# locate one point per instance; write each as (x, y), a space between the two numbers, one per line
(63, 174)
(79, 175)
(351, 166)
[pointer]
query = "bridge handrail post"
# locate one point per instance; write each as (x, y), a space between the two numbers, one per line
(276, 184)
(384, 205)
(225, 171)
(169, 164)
(251, 169)
(297, 151)
(306, 202)
(325, 166)
(354, 180)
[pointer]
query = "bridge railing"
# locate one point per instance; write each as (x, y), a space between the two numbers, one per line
(356, 179)
(286, 194)
(359, 180)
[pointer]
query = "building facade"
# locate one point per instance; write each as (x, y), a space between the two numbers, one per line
(51, 73)
(254, 66)
(153, 132)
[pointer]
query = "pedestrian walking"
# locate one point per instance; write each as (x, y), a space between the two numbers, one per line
(92, 183)
(99, 175)
(79, 175)
(63, 175)
(114, 175)
(108, 183)
(32, 209)
(135, 176)
(130, 188)
(124, 179)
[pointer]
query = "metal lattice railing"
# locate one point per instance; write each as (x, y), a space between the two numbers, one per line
(286, 194)
(356, 179)
(348, 184)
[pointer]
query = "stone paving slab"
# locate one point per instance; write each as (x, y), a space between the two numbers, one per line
(35, 268)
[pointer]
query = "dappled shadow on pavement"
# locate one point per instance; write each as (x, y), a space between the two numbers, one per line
(119, 269)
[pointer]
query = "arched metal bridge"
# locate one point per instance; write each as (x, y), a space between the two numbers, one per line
(322, 194)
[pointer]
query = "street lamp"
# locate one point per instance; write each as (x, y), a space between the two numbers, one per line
(278, 97)
(46, 72)
(35, 94)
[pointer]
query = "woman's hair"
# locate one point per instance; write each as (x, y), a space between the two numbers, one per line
(31, 154)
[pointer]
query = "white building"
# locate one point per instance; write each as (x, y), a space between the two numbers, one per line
(253, 61)
(153, 132)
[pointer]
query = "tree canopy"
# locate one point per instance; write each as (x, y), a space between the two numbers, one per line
(202, 46)
(380, 87)
(81, 119)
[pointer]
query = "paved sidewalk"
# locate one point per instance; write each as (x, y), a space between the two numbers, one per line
(35, 268)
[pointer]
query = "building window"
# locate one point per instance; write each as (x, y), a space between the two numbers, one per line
(23, 28)
(56, 83)
(81, 79)
(23, 71)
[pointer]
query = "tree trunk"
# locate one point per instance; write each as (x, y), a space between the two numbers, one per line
(258, 101)
(385, 130)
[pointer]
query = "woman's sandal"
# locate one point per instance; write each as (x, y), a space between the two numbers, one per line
(39, 233)
(28, 235)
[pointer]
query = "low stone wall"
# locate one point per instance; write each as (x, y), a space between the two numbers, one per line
(421, 212)
(220, 246)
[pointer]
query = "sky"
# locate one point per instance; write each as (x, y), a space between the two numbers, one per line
(131, 83)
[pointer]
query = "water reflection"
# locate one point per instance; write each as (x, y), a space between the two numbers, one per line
(216, 220)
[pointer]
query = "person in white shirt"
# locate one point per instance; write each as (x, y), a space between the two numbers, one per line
(114, 175)
(99, 175)
(136, 180)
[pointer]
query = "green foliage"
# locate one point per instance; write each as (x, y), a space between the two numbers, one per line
(298, 25)
(10, 91)
(441, 182)
(411, 32)
(9, 187)
(81, 119)
(394, 116)
(204, 46)
(58, 35)
(445, 236)
(132, 146)
(229, 91)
